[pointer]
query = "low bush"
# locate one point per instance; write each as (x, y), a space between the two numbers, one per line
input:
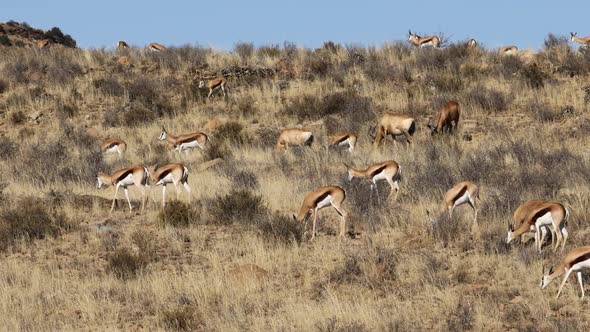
(279, 229)
(124, 264)
(180, 214)
(237, 207)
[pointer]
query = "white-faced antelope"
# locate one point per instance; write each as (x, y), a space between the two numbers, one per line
(395, 125)
(548, 214)
(508, 50)
(344, 139)
(121, 44)
(461, 193)
(176, 174)
(214, 84)
(472, 43)
(186, 141)
(130, 176)
(584, 40)
(293, 137)
(113, 145)
(575, 261)
(320, 198)
(433, 41)
(389, 171)
(521, 213)
(447, 118)
(156, 47)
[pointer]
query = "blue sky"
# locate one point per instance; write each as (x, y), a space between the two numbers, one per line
(220, 24)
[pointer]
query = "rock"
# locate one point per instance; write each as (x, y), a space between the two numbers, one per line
(248, 272)
(36, 115)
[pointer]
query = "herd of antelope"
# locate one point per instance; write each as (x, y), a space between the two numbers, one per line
(534, 218)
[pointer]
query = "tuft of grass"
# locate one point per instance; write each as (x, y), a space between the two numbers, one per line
(124, 264)
(239, 206)
(179, 214)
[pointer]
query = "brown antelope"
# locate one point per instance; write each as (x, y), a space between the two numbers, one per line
(433, 41)
(214, 84)
(447, 118)
(472, 43)
(135, 175)
(156, 47)
(43, 43)
(121, 44)
(395, 125)
(521, 213)
(508, 50)
(548, 214)
(461, 193)
(344, 139)
(185, 142)
(575, 261)
(172, 173)
(389, 171)
(294, 137)
(113, 145)
(584, 40)
(319, 199)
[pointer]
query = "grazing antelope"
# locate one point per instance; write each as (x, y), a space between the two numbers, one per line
(135, 175)
(395, 125)
(121, 44)
(547, 214)
(447, 118)
(43, 43)
(433, 41)
(156, 47)
(214, 84)
(521, 213)
(185, 141)
(319, 199)
(584, 40)
(508, 50)
(172, 173)
(472, 43)
(461, 193)
(114, 145)
(575, 261)
(344, 139)
(389, 171)
(294, 137)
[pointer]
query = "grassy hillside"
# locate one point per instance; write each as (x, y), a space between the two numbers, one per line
(231, 258)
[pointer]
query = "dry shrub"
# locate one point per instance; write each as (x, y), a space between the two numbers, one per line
(180, 214)
(124, 264)
(143, 89)
(3, 86)
(109, 86)
(488, 99)
(371, 267)
(67, 110)
(137, 115)
(447, 230)
(239, 206)
(218, 149)
(533, 76)
(244, 51)
(334, 325)
(462, 318)
(8, 147)
(542, 112)
(183, 317)
(246, 106)
(232, 132)
(146, 243)
(279, 229)
(63, 70)
(17, 117)
(272, 51)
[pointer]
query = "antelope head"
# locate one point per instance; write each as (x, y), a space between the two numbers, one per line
(100, 182)
(510, 236)
(350, 175)
(573, 35)
(163, 134)
(431, 125)
(545, 281)
(372, 131)
(201, 84)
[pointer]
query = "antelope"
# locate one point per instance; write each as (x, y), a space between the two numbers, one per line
(576, 260)
(213, 84)
(294, 137)
(43, 43)
(433, 41)
(547, 214)
(472, 43)
(135, 175)
(344, 139)
(121, 44)
(584, 40)
(395, 125)
(319, 199)
(172, 173)
(388, 170)
(185, 141)
(461, 193)
(113, 145)
(521, 213)
(156, 47)
(508, 50)
(447, 118)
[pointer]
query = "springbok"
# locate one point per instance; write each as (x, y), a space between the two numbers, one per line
(43, 43)
(121, 44)
(472, 43)
(176, 174)
(319, 199)
(548, 214)
(135, 175)
(344, 139)
(433, 41)
(185, 141)
(294, 137)
(508, 50)
(584, 40)
(113, 145)
(395, 125)
(214, 84)
(576, 260)
(521, 213)
(156, 47)
(447, 118)
(389, 171)
(461, 193)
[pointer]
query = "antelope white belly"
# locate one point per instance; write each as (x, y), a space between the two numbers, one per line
(427, 44)
(127, 181)
(463, 199)
(189, 145)
(325, 202)
(582, 265)
(380, 176)
(306, 136)
(544, 220)
(346, 142)
(113, 149)
(166, 179)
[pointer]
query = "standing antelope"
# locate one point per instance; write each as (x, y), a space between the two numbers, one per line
(214, 84)
(294, 137)
(344, 139)
(135, 175)
(461, 193)
(433, 41)
(114, 145)
(387, 170)
(395, 125)
(319, 199)
(548, 214)
(172, 173)
(575, 261)
(584, 40)
(508, 50)
(471, 43)
(121, 44)
(156, 47)
(447, 118)
(185, 141)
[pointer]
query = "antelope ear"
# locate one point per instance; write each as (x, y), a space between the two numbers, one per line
(294, 218)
